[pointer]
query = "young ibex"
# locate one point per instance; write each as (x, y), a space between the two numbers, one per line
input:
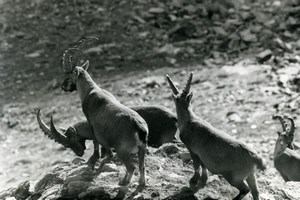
(213, 149)
(114, 125)
(286, 161)
(77, 134)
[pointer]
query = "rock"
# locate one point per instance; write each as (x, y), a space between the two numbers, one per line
(233, 117)
(184, 194)
(151, 81)
(82, 173)
(110, 167)
(35, 54)
(185, 157)
(48, 181)
(167, 150)
(168, 49)
(94, 192)
(155, 194)
(7, 193)
(74, 188)
(138, 197)
(264, 56)
(22, 191)
(247, 36)
(156, 10)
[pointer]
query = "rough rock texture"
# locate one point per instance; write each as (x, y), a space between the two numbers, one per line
(167, 178)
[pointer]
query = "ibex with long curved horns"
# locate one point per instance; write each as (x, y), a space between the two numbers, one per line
(114, 125)
(286, 161)
(213, 149)
(77, 134)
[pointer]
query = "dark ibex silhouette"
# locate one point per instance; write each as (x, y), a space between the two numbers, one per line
(213, 149)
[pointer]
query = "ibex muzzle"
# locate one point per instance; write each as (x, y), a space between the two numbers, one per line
(69, 139)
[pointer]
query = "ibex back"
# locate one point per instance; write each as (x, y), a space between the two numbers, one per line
(114, 125)
(213, 149)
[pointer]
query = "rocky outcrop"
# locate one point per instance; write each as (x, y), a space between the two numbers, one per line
(168, 170)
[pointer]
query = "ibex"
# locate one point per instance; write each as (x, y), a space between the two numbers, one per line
(77, 134)
(213, 149)
(114, 125)
(286, 161)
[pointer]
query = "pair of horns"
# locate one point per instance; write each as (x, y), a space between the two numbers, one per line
(187, 87)
(52, 132)
(69, 53)
(290, 130)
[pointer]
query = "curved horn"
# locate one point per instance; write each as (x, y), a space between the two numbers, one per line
(69, 59)
(283, 123)
(74, 49)
(172, 85)
(81, 41)
(187, 88)
(43, 126)
(293, 126)
(57, 136)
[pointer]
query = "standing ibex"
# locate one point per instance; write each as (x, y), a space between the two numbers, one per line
(114, 125)
(286, 161)
(77, 134)
(213, 149)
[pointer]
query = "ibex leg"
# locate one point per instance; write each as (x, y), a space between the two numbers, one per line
(107, 159)
(127, 161)
(94, 158)
(240, 185)
(141, 155)
(251, 180)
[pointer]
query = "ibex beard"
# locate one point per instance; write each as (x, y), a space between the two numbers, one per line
(115, 126)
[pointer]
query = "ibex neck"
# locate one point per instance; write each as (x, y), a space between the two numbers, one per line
(278, 150)
(184, 115)
(84, 85)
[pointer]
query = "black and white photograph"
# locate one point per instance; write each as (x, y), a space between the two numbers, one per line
(149, 99)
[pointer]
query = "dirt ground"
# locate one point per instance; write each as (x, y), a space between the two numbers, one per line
(238, 94)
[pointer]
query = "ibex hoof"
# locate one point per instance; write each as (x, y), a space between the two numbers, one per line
(123, 182)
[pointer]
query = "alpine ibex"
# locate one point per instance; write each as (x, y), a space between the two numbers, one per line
(114, 125)
(77, 134)
(213, 149)
(286, 161)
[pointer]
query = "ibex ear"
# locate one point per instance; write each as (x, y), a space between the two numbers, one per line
(85, 65)
(189, 97)
(278, 133)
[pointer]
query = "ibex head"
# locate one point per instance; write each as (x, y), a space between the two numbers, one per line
(69, 139)
(286, 137)
(71, 69)
(183, 99)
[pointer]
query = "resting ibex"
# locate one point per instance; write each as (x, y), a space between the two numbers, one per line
(114, 125)
(286, 161)
(77, 134)
(213, 149)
